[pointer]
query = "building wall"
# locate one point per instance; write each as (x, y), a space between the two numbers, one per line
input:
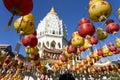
(49, 40)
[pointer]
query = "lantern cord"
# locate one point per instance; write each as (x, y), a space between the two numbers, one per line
(20, 38)
(103, 22)
(20, 25)
(9, 23)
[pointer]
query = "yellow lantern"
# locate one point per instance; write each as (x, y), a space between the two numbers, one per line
(68, 55)
(119, 14)
(88, 58)
(77, 41)
(75, 34)
(110, 53)
(31, 50)
(118, 11)
(88, 70)
(25, 25)
(77, 66)
(119, 17)
(93, 1)
(95, 54)
(105, 50)
(29, 17)
(117, 42)
(99, 11)
(87, 44)
(101, 34)
(3, 55)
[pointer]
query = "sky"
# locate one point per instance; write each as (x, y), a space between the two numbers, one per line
(70, 11)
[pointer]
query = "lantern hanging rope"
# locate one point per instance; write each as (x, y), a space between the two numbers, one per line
(9, 23)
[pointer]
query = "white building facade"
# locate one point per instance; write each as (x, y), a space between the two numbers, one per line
(51, 32)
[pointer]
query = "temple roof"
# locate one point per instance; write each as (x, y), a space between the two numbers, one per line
(53, 51)
(4, 45)
(52, 12)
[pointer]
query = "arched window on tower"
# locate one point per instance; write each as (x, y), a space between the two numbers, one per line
(42, 44)
(47, 43)
(59, 46)
(56, 32)
(53, 32)
(53, 43)
(60, 31)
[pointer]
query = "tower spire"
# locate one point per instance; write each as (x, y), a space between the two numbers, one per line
(52, 11)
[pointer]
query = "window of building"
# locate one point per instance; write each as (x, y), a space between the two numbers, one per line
(59, 46)
(53, 32)
(53, 43)
(47, 43)
(59, 32)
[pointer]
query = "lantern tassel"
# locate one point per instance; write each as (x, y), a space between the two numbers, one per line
(9, 23)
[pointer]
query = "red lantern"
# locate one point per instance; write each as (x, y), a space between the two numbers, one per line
(35, 33)
(91, 56)
(118, 64)
(15, 63)
(110, 67)
(80, 64)
(85, 61)
(112, 47)
(71, 49)
(117, 51)
(7, 60)
(34, 57)
(100, 52)
(86, 29)
(19, 7)
(82, 49)
(102, 69)
(30, 40)
(96, 69)
(62, 58)
(84, 20)
(112, 27)
(1, 64)
(91, 62)
(69, 42)
(104, 55)
(93, 40)
(109, 21)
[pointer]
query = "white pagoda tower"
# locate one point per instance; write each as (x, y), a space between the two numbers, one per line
(51, 32)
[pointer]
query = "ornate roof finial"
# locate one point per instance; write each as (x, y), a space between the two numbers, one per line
(52, 11)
